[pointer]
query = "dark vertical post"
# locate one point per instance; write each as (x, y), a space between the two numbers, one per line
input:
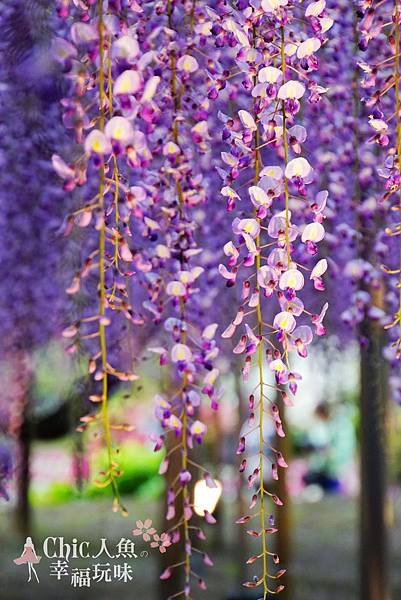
(21, 429)
(23, 509)
(374, 584)
(175, 553)
(373, 550)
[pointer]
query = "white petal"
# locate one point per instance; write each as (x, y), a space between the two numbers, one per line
(313, 232)
(128, 82)
(119, 129)
(187, 63)
(175, 288)
(315, 9)
(259, 196)
(308, 47)
(269, 75)
(150, 88)
(291, 89)
(97, 142)
(209, 332)
(319, 269)
(272, 5)
(292, 279)
(298, 167)
(247, 119)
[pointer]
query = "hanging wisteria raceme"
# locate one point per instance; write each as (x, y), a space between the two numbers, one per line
(380, 43)
(344, 165)
(274, 45)
(170, 195)
(107, 93)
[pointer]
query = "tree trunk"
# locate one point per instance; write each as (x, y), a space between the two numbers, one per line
(20, 428)
(23, 509)
(175, 553)
(374, 570)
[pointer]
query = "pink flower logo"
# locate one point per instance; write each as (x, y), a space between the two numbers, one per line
(145, 529)
(162, 542)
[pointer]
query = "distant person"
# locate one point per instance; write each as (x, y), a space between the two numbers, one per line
(331, 438)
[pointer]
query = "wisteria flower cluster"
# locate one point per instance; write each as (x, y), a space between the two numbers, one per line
(107, 92)
(177, 134)
(270, 253)
(141, 127)
(379, 42)
(163, 99)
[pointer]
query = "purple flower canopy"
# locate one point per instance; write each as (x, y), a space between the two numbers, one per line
(219, 199)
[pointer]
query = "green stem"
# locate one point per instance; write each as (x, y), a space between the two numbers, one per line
(102, 286)
(260, 371)
(287, 218)
(184, 448)
(116, 176)
(192, 17)
(397, 116)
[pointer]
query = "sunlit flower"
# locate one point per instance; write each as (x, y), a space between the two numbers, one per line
(293, 279)
(313, 232)
(316, 275)
(247, 120)
(125, 47)
(176, 288)
(248, 226)
(128, 82)
(280, 370)
(315, 8)
(273, 5)
(171, 149)
(174, 423)
(150, 88)
(198, 431)
(97, 143)
(284, 321)
(269, 75)
(298, 167)
(308, 47)
(231, 251)
(181, 353)
(291, 90)
(187, 63)
(302, 337)
(210, 331)
(119, 129)
(259, 196)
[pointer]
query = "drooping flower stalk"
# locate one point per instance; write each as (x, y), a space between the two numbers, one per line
(260, 367)
(380, 41)
(259, 36)
(99, 59)
(116, 176)
(398, 153)
(179, 114)
(285, 145)
(176, 96)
